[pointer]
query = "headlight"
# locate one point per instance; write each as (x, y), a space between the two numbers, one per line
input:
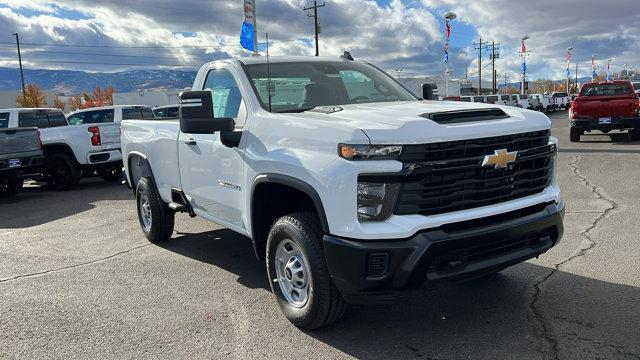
(376, 200)
(369, 152)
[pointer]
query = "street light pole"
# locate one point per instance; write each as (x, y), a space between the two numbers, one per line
(24, 92)
(447, 32)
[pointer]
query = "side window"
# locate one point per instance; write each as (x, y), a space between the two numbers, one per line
(76, 119)
(98, 117)
(57, 119)
(227, 100)
(4, 120)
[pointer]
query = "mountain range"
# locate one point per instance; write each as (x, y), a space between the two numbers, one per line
(77, 82)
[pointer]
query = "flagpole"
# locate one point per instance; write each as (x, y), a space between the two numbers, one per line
(447, 33)
(255, 30)
(568, 67)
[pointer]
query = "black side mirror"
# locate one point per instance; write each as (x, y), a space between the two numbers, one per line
(196, 114)
(427, 91)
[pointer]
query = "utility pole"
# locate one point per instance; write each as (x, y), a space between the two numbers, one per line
(493, 57)
(315, 19)
(24, 92)
(479, 46)
(505, 83)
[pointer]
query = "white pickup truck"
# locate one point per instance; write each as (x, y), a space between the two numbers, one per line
(71, 150)
(352, 188)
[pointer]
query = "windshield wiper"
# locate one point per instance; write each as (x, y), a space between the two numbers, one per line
(295, 110)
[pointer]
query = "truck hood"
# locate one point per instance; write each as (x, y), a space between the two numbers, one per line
(405, 122)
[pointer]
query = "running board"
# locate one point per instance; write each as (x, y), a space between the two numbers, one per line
(180, 203)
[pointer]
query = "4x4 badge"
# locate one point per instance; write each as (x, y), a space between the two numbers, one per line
(500, 159)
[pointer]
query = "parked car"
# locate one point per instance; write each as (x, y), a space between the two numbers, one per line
(20, 155)
(352, 189)
(166, 111)
(497, 99)
(605, 106)
(545, 103)
(636, 87)
(524, 101)
(72, 150)
(562, 100)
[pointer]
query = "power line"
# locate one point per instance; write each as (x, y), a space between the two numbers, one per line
(478, 46)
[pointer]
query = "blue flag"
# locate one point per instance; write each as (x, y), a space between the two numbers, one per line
(524, 67)
(246, 36)
(568, 72)
(446, 56)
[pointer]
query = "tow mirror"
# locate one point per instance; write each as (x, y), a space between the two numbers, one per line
(196, 114)
(427, 91)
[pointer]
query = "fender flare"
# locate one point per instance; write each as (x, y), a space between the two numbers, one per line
(298, 185)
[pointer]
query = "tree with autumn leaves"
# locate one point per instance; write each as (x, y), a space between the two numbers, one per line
(100, 97)
(33, 97)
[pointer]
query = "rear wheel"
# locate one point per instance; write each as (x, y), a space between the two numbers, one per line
(61, 172)
(298, 272)
(10, 187)
(155, 217)
(635, 134)
(574, 134)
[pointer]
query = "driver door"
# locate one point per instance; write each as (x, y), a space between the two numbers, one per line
(211, 173)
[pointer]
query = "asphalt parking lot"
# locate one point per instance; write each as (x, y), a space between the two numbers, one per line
(79, 280)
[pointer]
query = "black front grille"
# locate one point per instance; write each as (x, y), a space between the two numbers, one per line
(449, 176)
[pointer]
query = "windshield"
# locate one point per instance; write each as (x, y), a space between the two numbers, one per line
(300, 86)
(605, 89)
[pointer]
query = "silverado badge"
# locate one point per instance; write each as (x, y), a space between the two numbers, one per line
(500, 159)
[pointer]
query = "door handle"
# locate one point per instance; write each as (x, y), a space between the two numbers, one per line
(190, 142)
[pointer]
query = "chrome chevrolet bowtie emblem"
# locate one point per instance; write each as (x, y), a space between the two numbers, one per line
(500, 159)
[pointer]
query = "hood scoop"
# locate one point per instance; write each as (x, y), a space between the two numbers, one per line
(465, 116)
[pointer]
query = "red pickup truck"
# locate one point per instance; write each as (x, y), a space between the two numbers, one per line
(605, 106)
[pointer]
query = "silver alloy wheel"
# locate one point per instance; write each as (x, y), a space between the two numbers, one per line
(145, 210)
(292, 273)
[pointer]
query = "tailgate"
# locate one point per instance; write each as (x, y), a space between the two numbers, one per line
(17, 141)
(110, 134)
(606, 106)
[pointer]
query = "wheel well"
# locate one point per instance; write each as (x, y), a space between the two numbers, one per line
(272, 200)
(49, 150)
(138, 168)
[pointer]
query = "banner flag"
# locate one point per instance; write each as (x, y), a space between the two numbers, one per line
(248, 32)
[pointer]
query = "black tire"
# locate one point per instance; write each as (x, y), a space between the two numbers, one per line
(635, 134)
(160, 226)
(574, 134)
(110, 173)
(10, 187)
(324, 304)
(61, 172)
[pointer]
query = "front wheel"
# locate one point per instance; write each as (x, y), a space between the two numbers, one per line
(155, 217)
(298, 272)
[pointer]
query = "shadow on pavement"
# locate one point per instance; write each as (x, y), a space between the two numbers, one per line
(224, 249)
(37, 205)
(485, 318)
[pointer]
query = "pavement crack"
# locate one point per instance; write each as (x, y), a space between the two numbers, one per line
(22, 276)
(550, 349)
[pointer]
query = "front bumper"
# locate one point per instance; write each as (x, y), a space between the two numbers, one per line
(617, 123)
(373, 271)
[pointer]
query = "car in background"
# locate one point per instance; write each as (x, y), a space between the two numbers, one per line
(605, 106)
(20, 155)
(636, 87)
(524, 101)
(166, 111)
(498, 99)
(545, 103)
(562, 100)
(87, 148)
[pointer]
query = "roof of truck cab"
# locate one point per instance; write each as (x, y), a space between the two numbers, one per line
(110, 107)
(31, 109)
(285, 59)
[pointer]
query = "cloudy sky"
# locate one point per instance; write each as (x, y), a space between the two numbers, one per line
(116, 35)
